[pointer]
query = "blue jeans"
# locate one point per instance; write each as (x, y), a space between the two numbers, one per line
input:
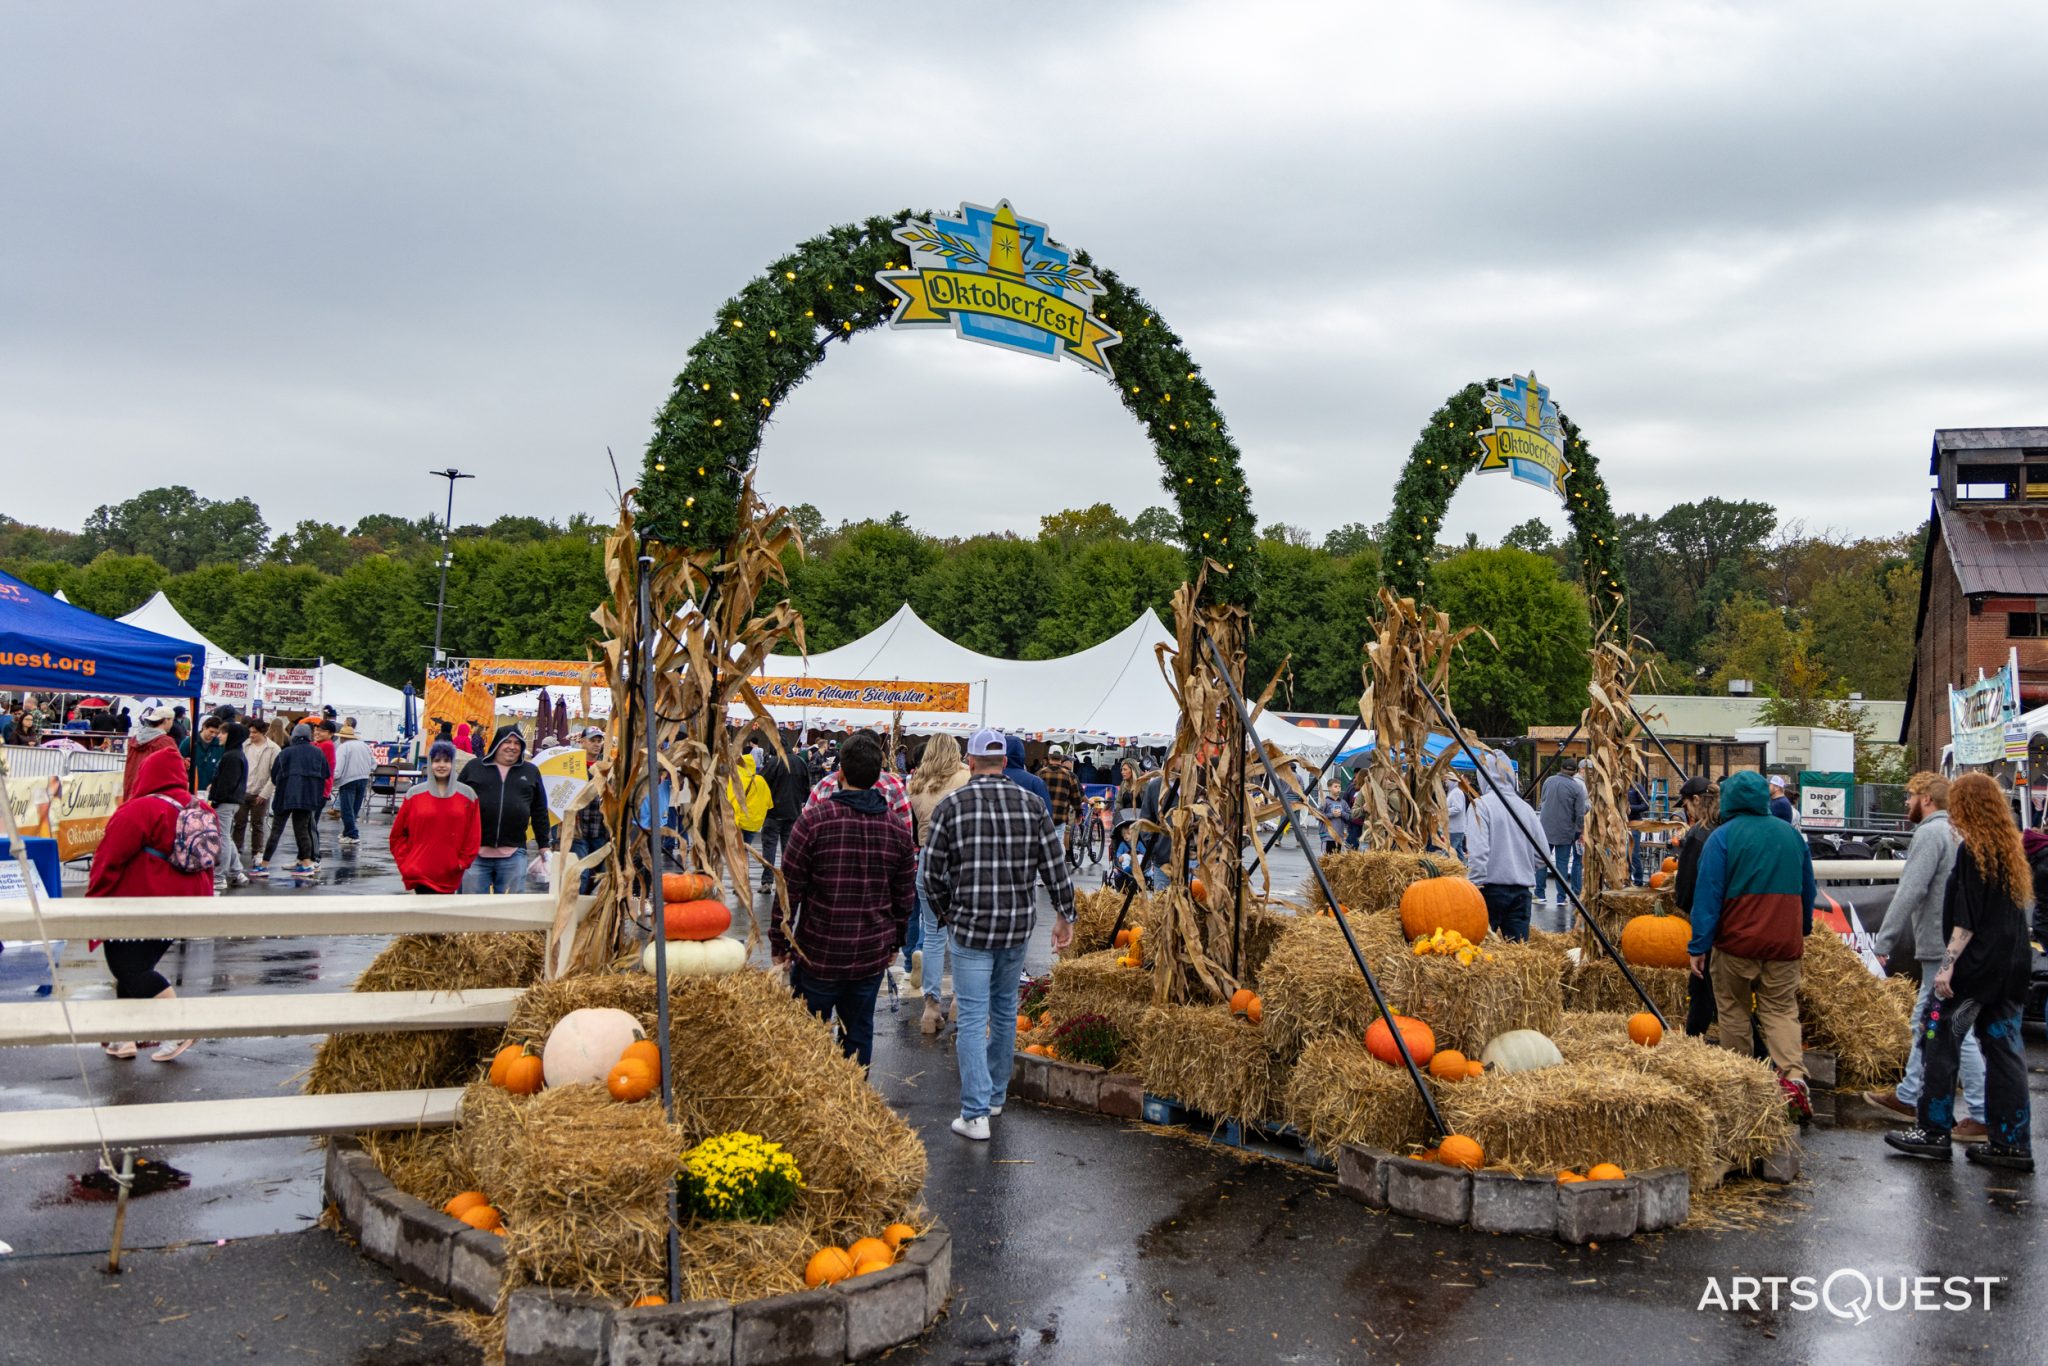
(1566, 857)
(852, 999)
(1971, 1062)
(350, 797)
(587, 879)
(1507, 910)
(932, 938)
(1458, 844)
(505, 875)
(985, 986)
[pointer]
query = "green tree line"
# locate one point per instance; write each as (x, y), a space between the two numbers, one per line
(1718, 590)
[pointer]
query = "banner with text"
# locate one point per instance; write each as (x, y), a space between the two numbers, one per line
(894, 695)
(1977, 715)
(71, 809)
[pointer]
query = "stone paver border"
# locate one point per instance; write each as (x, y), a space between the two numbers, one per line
(851, 1321)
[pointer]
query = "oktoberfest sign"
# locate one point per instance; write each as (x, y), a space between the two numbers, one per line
(1526, 438)
(858, 693)
(998, 279)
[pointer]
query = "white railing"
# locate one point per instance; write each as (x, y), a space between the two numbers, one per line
(1857, 869)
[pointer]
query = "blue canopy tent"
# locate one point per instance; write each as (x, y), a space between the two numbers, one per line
(51, 646)
(1432, 747)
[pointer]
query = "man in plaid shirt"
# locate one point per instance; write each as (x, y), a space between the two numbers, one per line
(990, 843)
(889, 785)
(1064, 789)
(851, 870)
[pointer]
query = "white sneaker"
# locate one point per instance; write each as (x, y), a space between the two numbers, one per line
(994, 1110)
(976, 1129)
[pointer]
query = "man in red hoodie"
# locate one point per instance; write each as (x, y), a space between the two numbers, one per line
(438, 828)
(133, 859)
(152, 735)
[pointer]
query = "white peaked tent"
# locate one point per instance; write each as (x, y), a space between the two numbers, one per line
(1112, 693)
(59, 596)
(379, 710)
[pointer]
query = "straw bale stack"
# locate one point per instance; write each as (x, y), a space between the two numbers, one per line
(425, 1058)
(1615, 907)
(1095, 914)
(1596, 983)
(1309, 985)
(1093, 984)
(1576, 1114)
(1864, 1020)
(1373, 879)
(1339, 1093)
(1206, 1058)
(1467, 1004)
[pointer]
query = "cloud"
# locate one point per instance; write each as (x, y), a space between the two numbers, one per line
(1758, 250)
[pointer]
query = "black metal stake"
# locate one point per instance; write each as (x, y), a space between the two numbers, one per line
(1543, 853)
(1315, 784)
(1537, 769)
(657, 920)
(1683, 776)
(1372, 983)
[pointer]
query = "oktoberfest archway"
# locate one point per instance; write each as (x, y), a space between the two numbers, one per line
(991, 277)
(1509, 427)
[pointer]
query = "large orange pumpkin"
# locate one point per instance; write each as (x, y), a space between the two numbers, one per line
(703, 919)
(1448, 1065)
(679, 887)
(1420, 1038)
(1443, 903)
(1460, 1151)
(1656, 941)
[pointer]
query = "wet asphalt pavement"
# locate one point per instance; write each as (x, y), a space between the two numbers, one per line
(1076, 1239)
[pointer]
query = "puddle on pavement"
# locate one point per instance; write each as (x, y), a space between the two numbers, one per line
(152, 1177)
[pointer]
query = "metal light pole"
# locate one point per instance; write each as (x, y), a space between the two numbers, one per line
(451, 474)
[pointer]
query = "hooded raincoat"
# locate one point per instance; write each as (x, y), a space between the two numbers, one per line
(509, 802)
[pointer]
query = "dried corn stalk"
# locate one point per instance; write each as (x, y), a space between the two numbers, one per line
(1614, 764)
(1403, 788)
(707, 641)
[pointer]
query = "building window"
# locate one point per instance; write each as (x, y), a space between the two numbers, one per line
(2024, 625)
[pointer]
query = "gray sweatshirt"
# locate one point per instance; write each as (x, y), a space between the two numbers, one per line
(1913, 921)
(1564, 809)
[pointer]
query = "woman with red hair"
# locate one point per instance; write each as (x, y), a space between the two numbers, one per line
(1981, 984)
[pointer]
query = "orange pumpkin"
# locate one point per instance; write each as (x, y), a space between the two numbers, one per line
(481, 1216)
(648, 1301)
(696, 919)
(1255, 1010)
(462, 1204)
(1023, 1024)
(647, 1050)
(1670, 865)
(865, 1248)
(1645, 1029)
(1659, 878)
(1443, 903)
(1567, 1178)
(502, 1059)
(1460, 1151)
(827, 1265)
(1474, 1068)
(874, 1261)
(1656, 941)
(1123, 939)
(1448, 1065)
(1239, 999)
(524, 1075)
(1605, 1171)
(681, 887)
(896, 1235)
(631, 1080)
(1420, 1038)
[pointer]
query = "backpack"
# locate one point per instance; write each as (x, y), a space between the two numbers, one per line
(195, 841)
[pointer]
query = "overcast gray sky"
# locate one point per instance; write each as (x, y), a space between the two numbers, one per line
(307, 252)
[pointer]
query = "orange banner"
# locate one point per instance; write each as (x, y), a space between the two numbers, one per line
(894, 695)
(454, 696)
(535, 673)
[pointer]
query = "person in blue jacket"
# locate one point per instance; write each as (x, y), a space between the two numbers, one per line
(1014, 770)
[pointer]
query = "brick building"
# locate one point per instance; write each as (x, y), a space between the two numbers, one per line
(1984, 580)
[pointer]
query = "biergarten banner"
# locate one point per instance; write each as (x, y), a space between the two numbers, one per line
(998, 279)
(895, 695)
(1977, 715)
(536, 673)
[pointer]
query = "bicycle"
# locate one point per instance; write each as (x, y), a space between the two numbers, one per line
(1086, 836)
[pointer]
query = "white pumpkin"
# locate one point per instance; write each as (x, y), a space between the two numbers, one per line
(585, 1045)
(719, 957)
(1521, 1050)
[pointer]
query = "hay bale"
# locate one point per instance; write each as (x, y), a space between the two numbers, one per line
(1373, 879)
(1741, 1094)
(1339, 1093)
(426, 1058)
(1576, 1114)
(1467, 1004)
(1263, 927)
(424, 1163)
(1093, 984)
(1595, 983)
(1309, 984)
(1095, 914)
(745, 1054)
(1206, 1058)
(1614, 908)
(1866, 1021)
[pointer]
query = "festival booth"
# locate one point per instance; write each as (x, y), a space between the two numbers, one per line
(228, 679)
(52, 646)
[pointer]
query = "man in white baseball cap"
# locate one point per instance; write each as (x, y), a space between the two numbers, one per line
(152, 733)
(1781, 805)
(990, 843)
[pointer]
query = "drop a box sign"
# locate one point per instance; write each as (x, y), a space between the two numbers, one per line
(1824, 799)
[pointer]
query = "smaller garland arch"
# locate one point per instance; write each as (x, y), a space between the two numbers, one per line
(769, 336)
(1448, 450)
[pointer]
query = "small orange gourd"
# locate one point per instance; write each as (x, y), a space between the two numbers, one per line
(648, 1301)
(482, 1216)
(1659, 878)
(1645, 1029)
(502, 1059)
(1255, 1010)
(524, 1075)
(864, 1248)
(680, 887)
(647, 1050)
(827, 1265)
(1241, 998)
(896, 1235)
(1567, 1178)
(1198, 889)
(631, 1080)
(1474, 1068)
(1670, 865)
(1460, 1151)
(1604, 1171)
(1448, 1065)
(462, 1204)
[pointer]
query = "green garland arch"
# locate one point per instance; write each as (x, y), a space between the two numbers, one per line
(1445, 453)
(770, 335)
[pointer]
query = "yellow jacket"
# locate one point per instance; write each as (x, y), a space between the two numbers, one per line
(752, 811)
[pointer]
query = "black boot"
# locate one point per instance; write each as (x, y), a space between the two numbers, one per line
(1920, 1142)
(2011, 1157)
